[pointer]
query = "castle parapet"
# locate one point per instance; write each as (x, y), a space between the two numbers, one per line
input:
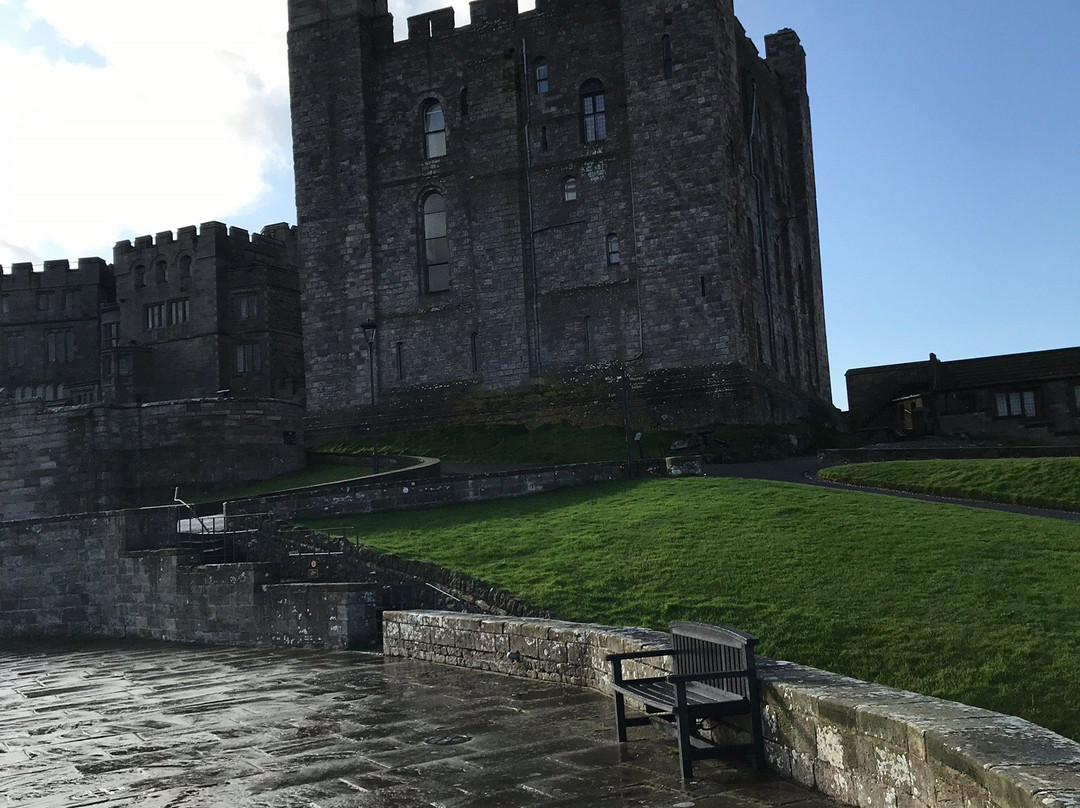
(483, 11)
(431, 24)
(303, 13)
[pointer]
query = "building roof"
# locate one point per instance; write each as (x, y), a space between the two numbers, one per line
(1036, 366)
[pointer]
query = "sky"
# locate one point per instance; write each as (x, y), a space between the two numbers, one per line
(946, 142)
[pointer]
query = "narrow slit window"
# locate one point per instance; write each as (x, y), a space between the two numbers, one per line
(474, 352)
(399, 350)
(668, 55)
(588, 339)
(464, 101)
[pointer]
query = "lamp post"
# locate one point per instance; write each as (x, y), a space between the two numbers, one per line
(369, 334)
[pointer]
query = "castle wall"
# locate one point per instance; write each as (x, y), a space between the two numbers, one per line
(75, 577)
(49, 333)
(704, 178)
(97, 457)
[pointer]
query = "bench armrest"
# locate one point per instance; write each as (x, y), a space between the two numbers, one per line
(638, 655)
(698, 677)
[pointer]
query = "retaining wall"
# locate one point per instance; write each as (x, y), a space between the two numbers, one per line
(76, 576)
(863, 744)
(368, 497)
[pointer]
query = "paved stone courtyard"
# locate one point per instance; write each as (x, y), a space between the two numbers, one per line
(162, 725)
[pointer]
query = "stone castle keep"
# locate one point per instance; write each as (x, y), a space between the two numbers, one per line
(550, 192)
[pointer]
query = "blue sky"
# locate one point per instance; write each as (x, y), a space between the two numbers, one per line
(946, 137)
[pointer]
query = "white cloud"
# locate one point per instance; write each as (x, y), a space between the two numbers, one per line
(181, 116)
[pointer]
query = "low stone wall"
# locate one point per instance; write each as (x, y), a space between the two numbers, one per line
(364, 496)
(902, 452)
(861, 743)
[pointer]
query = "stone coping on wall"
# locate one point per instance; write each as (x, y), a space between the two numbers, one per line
(861, 743)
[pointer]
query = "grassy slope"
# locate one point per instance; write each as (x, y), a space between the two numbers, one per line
(1048, 482)
(976, 606)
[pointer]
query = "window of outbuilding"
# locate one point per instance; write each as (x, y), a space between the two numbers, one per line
(614, 256)
(434, 130)
(1016, 404)
(593, 112)
(668, 55)
(569, 189)
(436, 257)
(542, 82)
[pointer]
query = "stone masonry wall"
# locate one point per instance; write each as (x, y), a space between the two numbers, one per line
(863, 744)
(73, 576)
(98, 457)
(365, 497)
(689, 238)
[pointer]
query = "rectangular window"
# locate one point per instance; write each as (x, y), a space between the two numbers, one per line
(247, 358)
(44, 301)
(594, 122)
(1029, 404)
(60, 346)
(5, 304)
(247, 305)
(155, 316)
(400, 361)
(474, 353)
(69, 299)
(124, 365)
(1015, 404)
(13, 349)
(110, 335)
(178, 311)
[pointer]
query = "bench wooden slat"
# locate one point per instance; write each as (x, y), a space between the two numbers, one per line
(714, 675)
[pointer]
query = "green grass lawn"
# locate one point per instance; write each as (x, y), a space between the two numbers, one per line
(1046, 482)
(976, 606)
(549, 444)
(314, 474)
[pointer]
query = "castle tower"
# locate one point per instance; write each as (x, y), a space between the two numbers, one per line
(331, 45)
(553, 193)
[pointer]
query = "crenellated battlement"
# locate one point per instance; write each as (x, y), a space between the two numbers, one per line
(54, 274)
(275, 244)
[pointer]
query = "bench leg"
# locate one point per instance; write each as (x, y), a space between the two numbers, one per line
(682, 726)
(620, 718)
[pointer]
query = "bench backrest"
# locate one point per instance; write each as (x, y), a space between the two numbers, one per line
(703, 648)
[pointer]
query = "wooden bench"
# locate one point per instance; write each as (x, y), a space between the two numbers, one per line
(714, 676)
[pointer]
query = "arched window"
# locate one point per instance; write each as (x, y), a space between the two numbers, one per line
(185, 266)
(140, 276)
(436, 259)
(593, 119)
(614, 256)
(569, 189)
(542, 83)
(161, 272)
(434, 130)
(668, 55)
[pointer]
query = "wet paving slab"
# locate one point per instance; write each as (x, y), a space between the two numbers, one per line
(119, 724)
